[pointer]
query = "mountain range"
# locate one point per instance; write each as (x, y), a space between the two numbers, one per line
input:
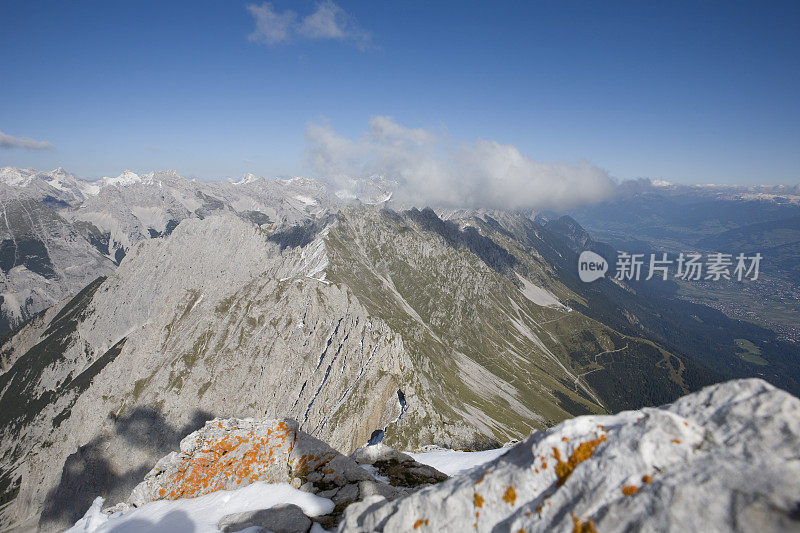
(136, 308)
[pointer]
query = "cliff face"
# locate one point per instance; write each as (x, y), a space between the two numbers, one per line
(184, 330)
(43, 258)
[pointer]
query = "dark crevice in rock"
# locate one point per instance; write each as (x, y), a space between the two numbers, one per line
(297, 236)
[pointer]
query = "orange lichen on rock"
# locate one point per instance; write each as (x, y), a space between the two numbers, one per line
(583, 452)
(420, 522)
(630, 490)
(579, 525)
(306, 463)
(477, 500)
(676, 441)
(564, 439)
(647, 479)
(510, 495)
(232, 459)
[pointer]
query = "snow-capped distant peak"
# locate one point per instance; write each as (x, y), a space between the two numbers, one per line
(58, 179)
(247, 178)
(15, 176)
(660, 183)
(126, 178)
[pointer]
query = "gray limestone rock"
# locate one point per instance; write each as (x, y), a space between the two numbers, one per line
(278, 519)
(399, 469)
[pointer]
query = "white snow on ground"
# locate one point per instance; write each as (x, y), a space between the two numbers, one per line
(201, 514)
(539, 295)
(305, 199)
(375, 473)
(454, 462)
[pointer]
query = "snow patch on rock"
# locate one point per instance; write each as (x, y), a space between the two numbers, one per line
(456, 462)
(201, 514)
(539, 295)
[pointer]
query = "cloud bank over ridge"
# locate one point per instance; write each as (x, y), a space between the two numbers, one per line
(435, 169)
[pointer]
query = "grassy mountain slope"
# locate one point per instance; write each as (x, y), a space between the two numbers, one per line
(486, 354)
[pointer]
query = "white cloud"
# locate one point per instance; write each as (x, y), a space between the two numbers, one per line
(10, 141)
(435, 169)
(328, 21)
(271, 27)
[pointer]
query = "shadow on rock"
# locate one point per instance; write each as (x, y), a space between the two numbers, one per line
(174, 522)
(88, 472)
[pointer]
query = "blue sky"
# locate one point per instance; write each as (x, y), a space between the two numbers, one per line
(690, 92)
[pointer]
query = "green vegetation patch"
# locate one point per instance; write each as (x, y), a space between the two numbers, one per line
(750, 352)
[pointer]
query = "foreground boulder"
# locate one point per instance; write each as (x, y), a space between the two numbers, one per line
(726, 458)
(228, 454)
(231, 453)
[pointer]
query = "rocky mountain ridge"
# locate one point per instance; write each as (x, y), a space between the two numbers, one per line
(325, 323)
(60, 232)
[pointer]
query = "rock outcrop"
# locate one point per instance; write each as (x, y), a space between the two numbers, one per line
(231, 453)
(285, 518)
(398, 469)
(228, 454)
(726, 458)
